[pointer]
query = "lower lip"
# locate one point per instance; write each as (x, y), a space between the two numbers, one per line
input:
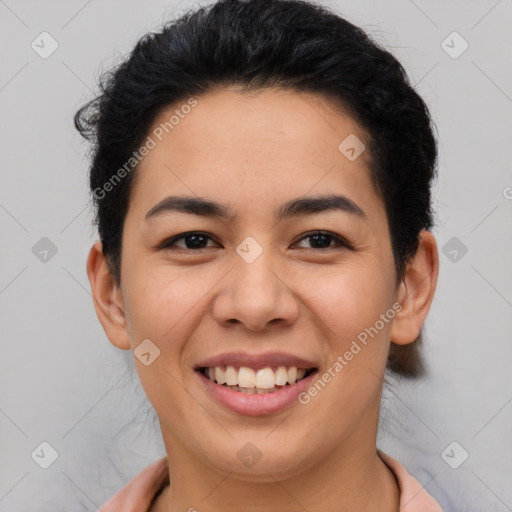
(255, 404)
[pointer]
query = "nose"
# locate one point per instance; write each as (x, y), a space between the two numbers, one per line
(256, 295)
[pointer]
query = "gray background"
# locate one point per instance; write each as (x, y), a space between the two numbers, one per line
(61, 380)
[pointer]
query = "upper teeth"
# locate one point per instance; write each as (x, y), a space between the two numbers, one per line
(264, 378)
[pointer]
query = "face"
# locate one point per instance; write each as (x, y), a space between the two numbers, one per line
(261, 286)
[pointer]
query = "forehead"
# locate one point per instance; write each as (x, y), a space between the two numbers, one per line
(254, 148)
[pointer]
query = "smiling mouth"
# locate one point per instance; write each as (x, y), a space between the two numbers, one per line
(256, 381)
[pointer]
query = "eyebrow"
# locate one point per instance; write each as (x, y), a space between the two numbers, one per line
(292, 208)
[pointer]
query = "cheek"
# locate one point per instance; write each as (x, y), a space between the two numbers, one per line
(347, 300)
(161, 303)
(164, 306)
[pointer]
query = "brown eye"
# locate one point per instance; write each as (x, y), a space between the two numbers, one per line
(193, 240)
(322, 240)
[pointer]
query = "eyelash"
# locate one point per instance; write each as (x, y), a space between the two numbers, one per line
(340, 241)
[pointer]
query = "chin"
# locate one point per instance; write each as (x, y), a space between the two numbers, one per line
(263, 462)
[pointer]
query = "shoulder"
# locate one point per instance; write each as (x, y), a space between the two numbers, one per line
(138, 494)
(413, 497)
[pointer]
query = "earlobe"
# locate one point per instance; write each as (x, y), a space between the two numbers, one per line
(108, 300)
(416, 291)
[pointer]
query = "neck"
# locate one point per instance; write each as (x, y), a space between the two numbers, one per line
(352, 477)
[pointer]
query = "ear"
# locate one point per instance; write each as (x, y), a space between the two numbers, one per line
(108, 300)
(416, 291)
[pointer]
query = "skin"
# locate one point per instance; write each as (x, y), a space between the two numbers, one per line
(254, 152)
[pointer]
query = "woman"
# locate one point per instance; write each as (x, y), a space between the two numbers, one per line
(262, 178)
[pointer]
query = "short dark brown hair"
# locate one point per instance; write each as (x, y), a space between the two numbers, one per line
(255, 44)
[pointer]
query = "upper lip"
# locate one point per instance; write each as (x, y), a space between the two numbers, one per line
(256, 360)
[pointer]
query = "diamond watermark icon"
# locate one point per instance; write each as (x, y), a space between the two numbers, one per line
(351, 147)
(249, 250)
(44, 250)
(454, 455)
(454, 45)
(146, 352)
(44, 455)
(454, 249)
(44, 45)
(249, 455)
